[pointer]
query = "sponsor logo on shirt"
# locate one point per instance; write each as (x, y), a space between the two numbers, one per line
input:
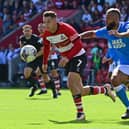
(118, 43)
(57, 38)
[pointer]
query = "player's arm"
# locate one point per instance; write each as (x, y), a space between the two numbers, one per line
(88, 34)
(20, 41)
(46, 51)
(40, 43)
(74, 36)
(107, 57)
(99, 33)
(120, 35)
(40, 52)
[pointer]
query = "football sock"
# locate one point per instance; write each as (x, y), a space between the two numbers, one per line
(57, 83)
(42, 84)
(78, 103)
(94, 90)
(121, 93)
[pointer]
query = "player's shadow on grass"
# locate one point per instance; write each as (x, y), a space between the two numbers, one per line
(38, 98)
(124, 122)
(34, 124)
(71, 121)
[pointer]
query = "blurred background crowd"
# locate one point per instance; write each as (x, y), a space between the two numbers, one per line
(14, 13)
(90, 14)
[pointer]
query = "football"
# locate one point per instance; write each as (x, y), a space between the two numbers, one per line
(28, 53)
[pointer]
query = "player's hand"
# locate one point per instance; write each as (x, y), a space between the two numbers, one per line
(105, 59)
(114, 32)
(63, 61)
(44, 67)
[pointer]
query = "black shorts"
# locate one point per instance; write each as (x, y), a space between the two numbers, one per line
(36, 63)
(53, 64)
(77, 64)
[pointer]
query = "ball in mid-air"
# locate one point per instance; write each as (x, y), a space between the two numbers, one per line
(28, 53)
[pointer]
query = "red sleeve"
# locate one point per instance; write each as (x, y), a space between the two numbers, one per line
(70, 32)
(75, 39)
(46, 49)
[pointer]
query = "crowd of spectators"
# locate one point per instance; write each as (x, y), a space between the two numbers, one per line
(94, 12)
(66, 4)
(14, 13)
(8, 54)
(95, 71)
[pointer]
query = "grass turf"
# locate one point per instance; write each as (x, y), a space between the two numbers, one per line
(17, 111)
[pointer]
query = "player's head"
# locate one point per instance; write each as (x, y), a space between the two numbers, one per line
(41, 28)
(27, 30)
(112, 18)
(50, 20)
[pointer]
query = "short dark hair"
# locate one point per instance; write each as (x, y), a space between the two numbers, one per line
(116, 10)
(49, 14)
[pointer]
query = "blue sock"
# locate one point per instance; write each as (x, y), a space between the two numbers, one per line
(121, 93)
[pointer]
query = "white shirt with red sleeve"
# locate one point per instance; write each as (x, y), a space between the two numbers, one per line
(65, 39)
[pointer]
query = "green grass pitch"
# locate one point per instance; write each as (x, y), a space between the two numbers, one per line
(17, 111)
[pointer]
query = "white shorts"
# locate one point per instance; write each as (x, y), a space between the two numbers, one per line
(123, 68)
(112, 67)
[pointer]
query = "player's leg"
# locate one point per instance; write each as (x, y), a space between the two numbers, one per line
(42, 86)
(119, 79)
(48, 81)
(110, 70)
(55, 76)
(41, 82)
(29, 75)
(77, 66)
(53, 64)
(33, 78)
(72, 69)
(75, 69)
(72, 83)
(105, 89)
(76, 87)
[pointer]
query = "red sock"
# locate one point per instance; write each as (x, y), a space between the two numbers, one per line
(42, 84)
(78, 103)
(57, 84)
(97, 90)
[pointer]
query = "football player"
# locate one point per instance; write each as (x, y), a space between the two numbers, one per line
(117, 34)
(66, 39)
(29, 72)
(53, 64)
